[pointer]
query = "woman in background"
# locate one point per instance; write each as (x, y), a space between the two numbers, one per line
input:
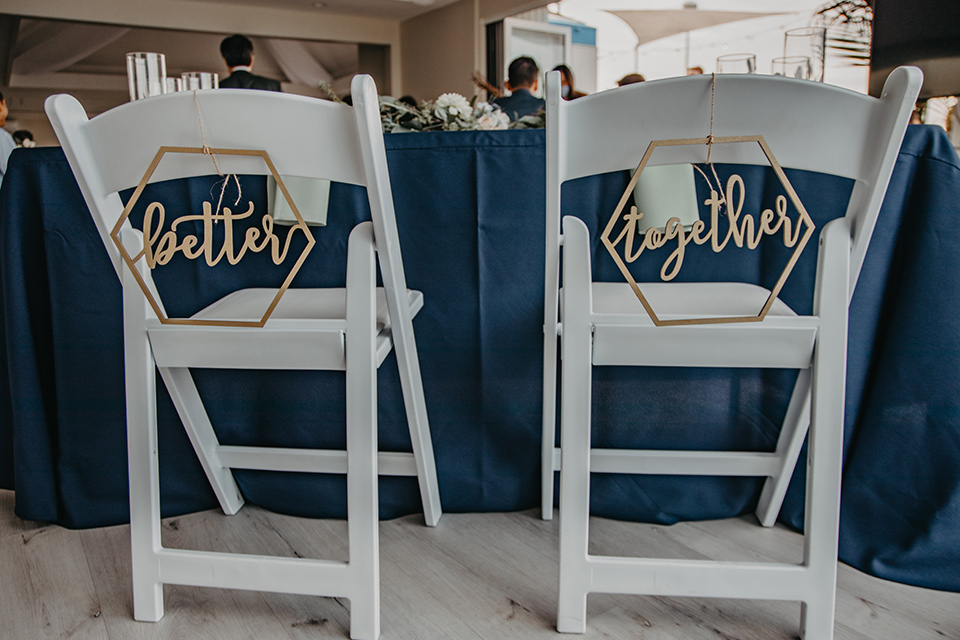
(566, 83)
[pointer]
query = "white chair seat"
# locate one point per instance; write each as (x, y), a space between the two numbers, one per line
(297, 304)
(317, 316)
(625, 335)
(685, 299)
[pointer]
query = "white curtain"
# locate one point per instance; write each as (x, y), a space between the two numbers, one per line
(51, 46)
(296, 62)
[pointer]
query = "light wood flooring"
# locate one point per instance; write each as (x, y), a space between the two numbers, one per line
(475, 576)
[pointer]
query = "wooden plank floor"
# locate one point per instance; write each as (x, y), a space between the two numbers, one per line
(476, 576)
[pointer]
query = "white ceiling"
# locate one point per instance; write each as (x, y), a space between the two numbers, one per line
(389, 9)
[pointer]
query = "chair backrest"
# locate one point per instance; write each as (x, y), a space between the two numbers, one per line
(303, 136)
(808, 125)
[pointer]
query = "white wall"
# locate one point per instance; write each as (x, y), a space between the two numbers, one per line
(583, 64)
(442, 49)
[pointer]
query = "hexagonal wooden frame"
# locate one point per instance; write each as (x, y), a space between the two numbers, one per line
(803, 217)
(131, 263)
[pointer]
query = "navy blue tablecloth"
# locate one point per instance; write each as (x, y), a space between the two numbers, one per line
(469, 209)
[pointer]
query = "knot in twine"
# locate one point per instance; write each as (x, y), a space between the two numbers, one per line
(710, 140)
(713, 93)
(207, 151)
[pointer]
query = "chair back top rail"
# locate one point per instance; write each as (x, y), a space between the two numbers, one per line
(807, 125)
(302, 136)
(810, 126)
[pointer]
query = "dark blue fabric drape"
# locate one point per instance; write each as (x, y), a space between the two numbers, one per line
(470, 213)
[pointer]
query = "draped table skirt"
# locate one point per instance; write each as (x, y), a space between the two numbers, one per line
(470, 213)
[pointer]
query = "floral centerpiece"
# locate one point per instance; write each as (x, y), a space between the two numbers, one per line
(449, 112)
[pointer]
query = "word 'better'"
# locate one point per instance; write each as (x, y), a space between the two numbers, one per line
(160, 247)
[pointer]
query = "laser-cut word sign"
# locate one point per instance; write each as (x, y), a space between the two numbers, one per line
(159, 246)
(743, 229)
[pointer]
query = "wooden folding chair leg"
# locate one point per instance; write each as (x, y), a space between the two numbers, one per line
(576, 390)
(193, 415)
(416, 407)
(794, 431)
(574, 494)
(822, 513)
(549, 427)
(825, 449)
(363, 518)
(142, 458)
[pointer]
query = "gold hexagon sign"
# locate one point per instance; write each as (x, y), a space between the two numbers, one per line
(160, 247)
(742, 229)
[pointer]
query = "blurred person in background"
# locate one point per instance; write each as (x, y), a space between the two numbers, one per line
(630, 78)
(522, 79)
(567, 91)
(237, 52)
(7, 143)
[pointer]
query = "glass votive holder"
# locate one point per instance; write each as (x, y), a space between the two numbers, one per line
(737, 63)
(792, 67)
(200, 80)
(146, 74)
(810, 42)
(174, 85)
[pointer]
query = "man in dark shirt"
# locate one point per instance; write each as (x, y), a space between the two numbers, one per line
(522, 79)
(237, 52)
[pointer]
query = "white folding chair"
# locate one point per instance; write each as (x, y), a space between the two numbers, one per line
(351, 329)
(808, 126)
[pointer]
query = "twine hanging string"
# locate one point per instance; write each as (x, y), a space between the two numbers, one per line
(209, 152)
(710, 139)
(713, 95)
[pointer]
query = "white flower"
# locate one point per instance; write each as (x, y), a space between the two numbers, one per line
(483, 108)
(489, 117)
(494, 120)
(453, 104)
(449, 112)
